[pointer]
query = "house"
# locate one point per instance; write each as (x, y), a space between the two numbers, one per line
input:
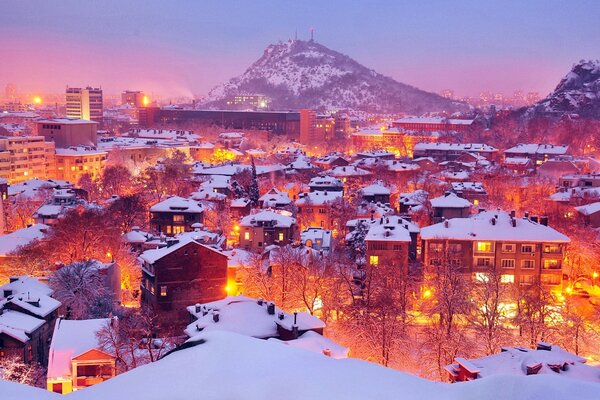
(349, 173)
(175, 215)
(590, 214)
(265, 228)
(331, 160)
(262, 320)
(376, 193)
(450, 206)
(183, 272)
(27, 317)
(519, 165)
(62, 200)
(412, 201)
(314, 209)
(326, 183)
(11, 242)
(317, 238)
(554, 169)
(76, 360)
(472, 191)
(537, 153)
(231, 140)
(545, 359)
(240, 207)
(274, 199)
(525, 250)
(388, 241)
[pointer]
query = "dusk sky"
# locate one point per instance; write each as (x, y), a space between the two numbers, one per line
(177, 48)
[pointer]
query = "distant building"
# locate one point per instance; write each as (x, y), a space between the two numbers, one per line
(537, 153)
(450, 205)
(65, 132)
(175, 215)
(134, 98)
(85, 103)
(308, 127)
(433, 124)
(248, 101)
(391, 240)
(452, 151)
(26, 157)
(314, 209)
(74, 162)
(265, 228)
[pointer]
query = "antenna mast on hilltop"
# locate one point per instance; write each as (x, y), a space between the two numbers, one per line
(312, 34)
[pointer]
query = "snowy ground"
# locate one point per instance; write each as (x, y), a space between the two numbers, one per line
(230, 366)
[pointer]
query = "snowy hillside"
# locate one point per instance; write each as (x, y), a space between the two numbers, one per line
(577, 93)
(230, 366)
(298, 74)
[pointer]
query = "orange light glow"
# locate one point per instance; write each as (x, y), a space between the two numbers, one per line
(145, 101)
(569, 289)
(427, 294)
(594, 274)
(236, 228)
(37, 100)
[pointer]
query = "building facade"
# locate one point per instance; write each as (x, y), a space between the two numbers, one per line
(85, 103)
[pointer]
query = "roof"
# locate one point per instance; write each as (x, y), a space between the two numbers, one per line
(316, 343)
(532, 149)
(21, 237)
(376, 188)
(274, 198)
(318, 197)
(67, 121)
(389, 230)
(282, 219)
(320, 181)
(481, 227)
(18, 325)
(177, 204)
(318, 237)
(434, 120)
(153, 255)
(450, 200)
(347, 170)
(468, 187)
(467, 147)
(589, 209)
(246, 316)
(70, 339)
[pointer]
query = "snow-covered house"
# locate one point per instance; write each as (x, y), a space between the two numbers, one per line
(392, 241)
(274, 198)
(412, 201)
(525, 250)
(75, 360)
(175, 215)
(250, 317)
(545, 359)
(472, 191)
(322, 183)
(61, 201)
(451, 151)
(314, 208)
(449, 206)
(265, 228)
(590, 214)
(537, 153)
(376, 193)
(183, 272)
(317, 238)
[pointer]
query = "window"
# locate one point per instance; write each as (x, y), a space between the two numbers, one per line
(551, 264)
(507, 278)
(508, 247)
(527, 264)
(527, 248)
(483, 261)
(507, 263)
(374, 260)
(178, 218)
(552, 249)
(484, 247)
(280, 236)
(481, 277)
(436, 248)
(548, 279)
(178, 229)
(163, 291)
(526, 279)
(246, 235)
(456, 262)
(169, 229)
(454, 248)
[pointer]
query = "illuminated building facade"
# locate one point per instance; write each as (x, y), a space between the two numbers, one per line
(26, 157)
(85, 103)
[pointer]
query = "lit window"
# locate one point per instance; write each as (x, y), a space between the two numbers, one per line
(246, 235)
(178, 218)
(374, 260)
(507, 278)
(281, 236)
(481, 277)
(163, 291)
(551, 264)
(484, 247)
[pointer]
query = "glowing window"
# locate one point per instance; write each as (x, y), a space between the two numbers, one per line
(163, 291)
(374, 260)
(247, 235)
(281, 236)
(507, 278)
(484, 247)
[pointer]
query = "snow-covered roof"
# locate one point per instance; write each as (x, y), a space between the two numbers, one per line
(325, 181)
(578, 192)
(281, 219)
(318, 197)
(517, 161)
(48, 210)
(415, 198)
(24, 284)
(516, 360)
(481, 227)
(79, 151)
(33, 186)
(434, 120)
(316, 343)
(18, 391)
(468, 187)
(275, 197)
(301, 163)
(21, 237)
(231, 135)
(589, 209)
(375, 154)
(66, 121)
(376, 188)
(465, 147)
(18, 325)
(177, 204)
(153, 255)
(318, 237)
(34, 302)
(240, 203)
(347, 171)
(70, 339)
(450, 200)
(389, 229)
(246, 316)
(532, 149)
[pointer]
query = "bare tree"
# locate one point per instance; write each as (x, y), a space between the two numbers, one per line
(15, 370)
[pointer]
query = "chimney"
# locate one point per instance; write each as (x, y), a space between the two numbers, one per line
(544, 220)
(446, 224)
(513, 213)
(271, 308)
(198, 308)
(514, 222)
(215, 316)
(493, 220)
(534, 218)
(526, 215)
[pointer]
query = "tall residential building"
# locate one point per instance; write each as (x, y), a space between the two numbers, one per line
(65, 132)
(308, 126)
(85, 103)
(25, 157)
(10, 92)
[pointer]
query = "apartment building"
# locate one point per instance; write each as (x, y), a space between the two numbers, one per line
(25, 157)
(85, 103)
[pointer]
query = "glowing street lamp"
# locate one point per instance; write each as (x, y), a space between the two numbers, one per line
(145, 101)
(37, 100)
